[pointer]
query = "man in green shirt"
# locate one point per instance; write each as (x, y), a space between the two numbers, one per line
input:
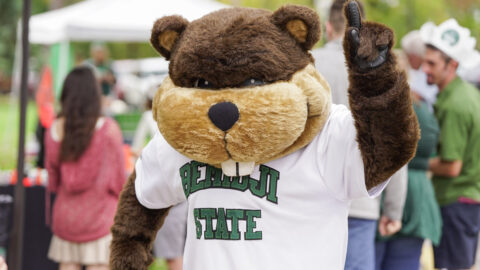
(456, 169)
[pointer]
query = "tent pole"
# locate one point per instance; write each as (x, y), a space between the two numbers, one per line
(16, 61)
(16, 241)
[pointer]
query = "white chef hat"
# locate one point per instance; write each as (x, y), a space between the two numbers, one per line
(453, 40)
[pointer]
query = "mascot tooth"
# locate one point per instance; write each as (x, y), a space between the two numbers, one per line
(233, 168)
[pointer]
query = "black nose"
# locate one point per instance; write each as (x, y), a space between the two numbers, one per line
(223, 115)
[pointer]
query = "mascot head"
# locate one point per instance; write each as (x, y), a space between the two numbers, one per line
(242, 89)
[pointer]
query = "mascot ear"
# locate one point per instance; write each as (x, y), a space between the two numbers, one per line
(165, 33)
(302, 23)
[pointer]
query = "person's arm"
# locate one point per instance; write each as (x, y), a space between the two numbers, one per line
(393, 203)
(109, 75)
(51, 161)
(388, 226)
(379, 96)
(445, 168)
(452, 142)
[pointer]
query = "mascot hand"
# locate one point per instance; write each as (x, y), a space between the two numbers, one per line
(370, 43)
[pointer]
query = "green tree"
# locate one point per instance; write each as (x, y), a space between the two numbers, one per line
(401, 15)
(10, 15)
(406, 15)
(9, 12)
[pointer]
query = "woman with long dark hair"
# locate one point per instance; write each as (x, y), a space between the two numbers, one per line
(84, 159)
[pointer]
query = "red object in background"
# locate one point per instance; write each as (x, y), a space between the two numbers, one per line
(129, 164)
(45, 98)
(13, 178)
(27, 182)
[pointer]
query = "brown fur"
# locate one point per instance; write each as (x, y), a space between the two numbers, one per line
(164, 25)
(275, 119)
(249, 43)
(134, 230)
(288, 13)
(387, 127)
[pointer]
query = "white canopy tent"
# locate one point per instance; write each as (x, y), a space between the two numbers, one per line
(104, 20)
(112, 20)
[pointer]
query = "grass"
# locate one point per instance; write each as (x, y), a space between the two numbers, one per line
(9, 129)
(158, 265)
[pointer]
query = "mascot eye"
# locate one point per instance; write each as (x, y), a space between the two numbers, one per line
(252, 82)
(202, 83)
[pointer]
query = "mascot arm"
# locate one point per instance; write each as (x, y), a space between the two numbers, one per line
(133, 231)
(379, 96)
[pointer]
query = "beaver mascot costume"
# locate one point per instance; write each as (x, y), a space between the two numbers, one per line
(249, 137)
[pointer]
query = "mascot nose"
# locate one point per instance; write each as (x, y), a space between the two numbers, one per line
(223, 115)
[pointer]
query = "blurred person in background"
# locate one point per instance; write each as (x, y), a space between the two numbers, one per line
(414, 49)
(363, 213)
(147, 127)
(330, 60)
(84, 160)
(101, 66)
(169, 243)
(100, 63)
(421, 214)
(471, 75)
(456, 169)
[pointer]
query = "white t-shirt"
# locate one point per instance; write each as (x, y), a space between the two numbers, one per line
(291, 213)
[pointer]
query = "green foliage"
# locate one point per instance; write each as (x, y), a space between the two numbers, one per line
(158, 265)
(9, 14)
(118, 50)
(9, 129)
(406, 15)
(401, 15)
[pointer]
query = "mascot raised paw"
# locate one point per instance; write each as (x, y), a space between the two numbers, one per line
(249, 137)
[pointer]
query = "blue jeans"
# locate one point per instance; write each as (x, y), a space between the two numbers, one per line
(458, 246)
(398, 254)
(361, 244)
